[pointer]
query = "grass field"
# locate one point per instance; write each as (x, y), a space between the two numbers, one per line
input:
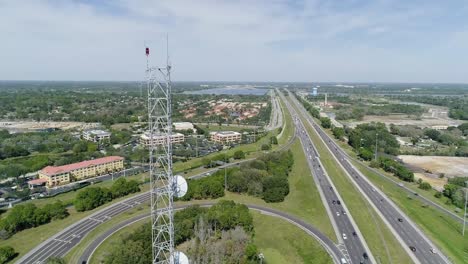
(303, 199)
(380, 240)
(282, 242)
(288, 126)
(288, 244)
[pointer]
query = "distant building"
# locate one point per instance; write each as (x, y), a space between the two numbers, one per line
(224, 137)
(314, 91)
(183, 126)
(145, 139)
(96, 135)
(57, 175)
(439, 127)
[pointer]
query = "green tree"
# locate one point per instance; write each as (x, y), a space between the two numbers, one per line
(424, 186)
(325, 122)
(239, 154)
(7, 253)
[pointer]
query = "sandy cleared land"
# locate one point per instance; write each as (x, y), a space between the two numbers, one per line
(451, 166)
(24, 126)
(399, 119)
(436, 182)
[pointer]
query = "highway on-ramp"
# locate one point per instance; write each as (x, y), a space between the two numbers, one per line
(61, 243)
(329, 246)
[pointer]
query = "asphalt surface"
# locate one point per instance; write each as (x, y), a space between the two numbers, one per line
(329, 246)
(405, 230)
(351, 242)
(276, 119)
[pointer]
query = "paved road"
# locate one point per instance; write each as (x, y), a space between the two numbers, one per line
(276, 119)
(405, 230)
(61, 243)
(351, 240)
(331, 248)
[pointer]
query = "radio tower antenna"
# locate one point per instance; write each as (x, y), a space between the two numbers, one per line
(158, 82)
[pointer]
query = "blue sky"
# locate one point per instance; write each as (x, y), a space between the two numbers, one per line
(247, 40)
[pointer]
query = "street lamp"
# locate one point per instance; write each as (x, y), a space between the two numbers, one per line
(376, 142)
(464, 215)
(261, 257)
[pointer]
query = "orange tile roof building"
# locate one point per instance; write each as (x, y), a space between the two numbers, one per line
(57, 175)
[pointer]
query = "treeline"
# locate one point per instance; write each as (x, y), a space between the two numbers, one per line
(93, 197)
(219, 234)
(453, 190)
(29, 215)
(452, 137)
(396, 168)
(309, 107)
(265, 177)
(458, 105)
(359, 110)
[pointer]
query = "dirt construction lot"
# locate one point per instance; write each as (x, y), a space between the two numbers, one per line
(451, 166)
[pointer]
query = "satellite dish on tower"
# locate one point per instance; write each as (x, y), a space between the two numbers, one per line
(180, 258)
(180, 186)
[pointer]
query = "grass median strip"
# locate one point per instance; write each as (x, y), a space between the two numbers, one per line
(442, 229)
(377, 235)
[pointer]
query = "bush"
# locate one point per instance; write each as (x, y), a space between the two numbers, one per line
(91, 198)
(266, 146)
(122, 187)
(438, 195)
(425, 186)
(28, 215)
(239, 154)
(325, 122)
(7, 253)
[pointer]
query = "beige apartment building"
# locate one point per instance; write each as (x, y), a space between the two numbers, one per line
(145, 139)
(57, 175)
(224, 137)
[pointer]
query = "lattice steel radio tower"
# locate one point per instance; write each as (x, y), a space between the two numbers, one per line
(158, 82)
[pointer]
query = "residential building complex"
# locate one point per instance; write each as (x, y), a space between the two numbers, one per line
(57, 175)
(145, 139)
(96, 135)
(224, 137)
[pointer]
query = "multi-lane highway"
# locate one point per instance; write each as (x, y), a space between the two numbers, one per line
(351, 240)
(418, 246)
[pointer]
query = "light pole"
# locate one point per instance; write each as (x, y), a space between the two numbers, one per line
(261, 257)
(376, 142)
(464, 215)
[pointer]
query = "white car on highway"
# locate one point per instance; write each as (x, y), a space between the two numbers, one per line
(344, 236)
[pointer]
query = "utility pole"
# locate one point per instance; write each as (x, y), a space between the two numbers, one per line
(466, 199)
(225, 178)
(376, 142)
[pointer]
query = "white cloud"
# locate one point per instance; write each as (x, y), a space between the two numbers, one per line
(222, 40)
